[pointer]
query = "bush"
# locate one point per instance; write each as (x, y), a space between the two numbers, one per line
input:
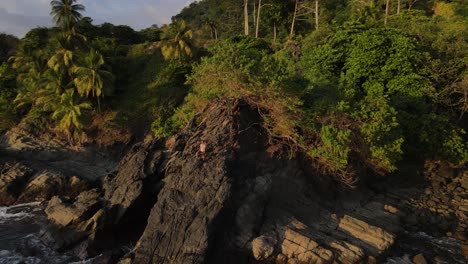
(374, 80)
(244, 67)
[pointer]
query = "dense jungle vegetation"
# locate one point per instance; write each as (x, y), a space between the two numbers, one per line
(358, 85)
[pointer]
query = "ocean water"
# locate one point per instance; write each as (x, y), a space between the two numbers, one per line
(20, 243)
(447, 250)
(17, 222)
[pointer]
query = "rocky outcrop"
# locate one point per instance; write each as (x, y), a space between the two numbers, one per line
(75, 219)
(224, 191)
(13, 176)
(247, 200)
(133, 188)
(191, 206)
(124, 204)
(35, 168)
(20, 183)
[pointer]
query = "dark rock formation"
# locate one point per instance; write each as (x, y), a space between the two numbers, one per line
(133, 188)
(224, 192)
(75, 219)
(13, 176)
(21, 183)
(247, 200)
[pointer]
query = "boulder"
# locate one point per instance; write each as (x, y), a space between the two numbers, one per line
(419, 259)
(13, 177)
(75, 219)
(374, 239)
(46, 184)
(263, 247)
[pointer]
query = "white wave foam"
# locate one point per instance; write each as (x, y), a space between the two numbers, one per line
(18, 212)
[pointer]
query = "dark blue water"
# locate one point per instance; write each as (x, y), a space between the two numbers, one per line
(20, 243)
(17, 222)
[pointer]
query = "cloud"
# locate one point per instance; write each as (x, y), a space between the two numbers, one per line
(20, 24)
(19, 16)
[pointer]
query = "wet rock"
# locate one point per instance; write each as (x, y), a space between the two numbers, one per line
(13, 177)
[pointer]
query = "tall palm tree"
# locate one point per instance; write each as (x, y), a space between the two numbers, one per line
(178, 44)
(62, 60)
(91, 78)
(66, 13)
(69, 115)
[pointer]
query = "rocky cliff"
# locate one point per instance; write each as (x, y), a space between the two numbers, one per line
(223, 191)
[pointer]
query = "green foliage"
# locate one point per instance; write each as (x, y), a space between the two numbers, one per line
(70, 116)
(66, 13)
(352, 94)
(8, 114)
(178, 43)
(91, 78)
(375, 78)
(244, 67)
(334, 146)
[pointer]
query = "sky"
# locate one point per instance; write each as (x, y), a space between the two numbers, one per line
(18, 16)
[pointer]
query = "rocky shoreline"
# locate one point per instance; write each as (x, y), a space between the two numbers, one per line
(244, 200)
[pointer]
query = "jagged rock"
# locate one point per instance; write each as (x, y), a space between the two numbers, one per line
(135, 183)
(189, 208)
(75, 219)
(44, 186)
(13, 178)
(216, 205)
(65, 213)
(263, 247)
(239, 199)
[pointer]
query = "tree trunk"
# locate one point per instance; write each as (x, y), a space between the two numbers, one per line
(294, 20)
(316, 15)
(258, 18)
(246, 17)
(399, 7)
(254, 13)
(387, 8)
(274, 32)
(99, 104)
(216, 33)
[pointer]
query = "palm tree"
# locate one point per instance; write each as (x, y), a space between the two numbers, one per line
(66, 13)
(62, 60)
(178, 43)
(70, 115)
(211, 24)
(91, 78)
